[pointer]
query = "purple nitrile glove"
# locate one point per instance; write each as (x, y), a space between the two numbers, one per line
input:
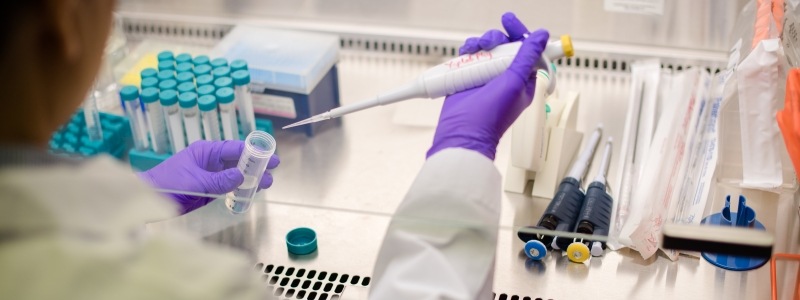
(203, 167)
(476, 119)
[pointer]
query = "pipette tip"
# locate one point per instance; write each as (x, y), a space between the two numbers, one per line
(310, 120)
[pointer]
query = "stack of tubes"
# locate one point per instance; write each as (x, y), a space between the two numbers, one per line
(189, 99)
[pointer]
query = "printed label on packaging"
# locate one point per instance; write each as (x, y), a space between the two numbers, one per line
(273, 105)
(646, 7)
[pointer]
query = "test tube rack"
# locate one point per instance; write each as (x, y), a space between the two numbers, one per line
(72, 140)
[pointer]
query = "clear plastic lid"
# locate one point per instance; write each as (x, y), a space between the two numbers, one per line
(291, 61)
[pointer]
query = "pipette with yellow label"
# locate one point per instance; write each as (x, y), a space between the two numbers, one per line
(456, 75)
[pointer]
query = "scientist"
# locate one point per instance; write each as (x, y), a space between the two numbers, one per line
(74, 230)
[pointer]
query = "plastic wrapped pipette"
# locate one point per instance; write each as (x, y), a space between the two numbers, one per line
(456, 75)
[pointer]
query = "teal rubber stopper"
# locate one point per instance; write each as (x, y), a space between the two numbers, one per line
(301, 241)
(129, 93)
(165, 55)
(166, 65)
(185, 77)
(200, 60)
(221, 72)
(206, 90)
(168, 97)
(204, 80)
(167, 85)
(149, 95)
(207, 102)
(238, 64)
(223, 82)
(184, 67)
(187, 100)
(165, 75)
(183, 58)
(224, 95)
(219, 62)
(241, 77)
(202, 70)
(186, 87)
(149, 72)
(150, 82)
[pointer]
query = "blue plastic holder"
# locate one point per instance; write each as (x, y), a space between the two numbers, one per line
(744, 217)
(72, 139)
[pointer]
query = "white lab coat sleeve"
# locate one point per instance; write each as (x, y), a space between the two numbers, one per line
(442, 240)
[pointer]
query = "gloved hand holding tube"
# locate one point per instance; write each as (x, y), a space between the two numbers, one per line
(206, 168)
(476, 119)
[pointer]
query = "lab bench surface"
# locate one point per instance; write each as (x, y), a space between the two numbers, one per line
(346, 182)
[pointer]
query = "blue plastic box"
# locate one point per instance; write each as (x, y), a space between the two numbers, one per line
(293, 74)
(73, 141)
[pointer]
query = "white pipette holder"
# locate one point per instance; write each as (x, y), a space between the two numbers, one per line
(560, 141)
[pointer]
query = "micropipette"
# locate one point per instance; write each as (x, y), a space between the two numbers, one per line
(456, 75)
(594, 217)
(563, 210)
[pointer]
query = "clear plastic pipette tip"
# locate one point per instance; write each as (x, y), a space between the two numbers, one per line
(601, 174)
(320, 117)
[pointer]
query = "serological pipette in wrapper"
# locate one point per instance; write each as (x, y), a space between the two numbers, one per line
(456, 75)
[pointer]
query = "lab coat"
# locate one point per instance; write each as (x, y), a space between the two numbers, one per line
(442, 240)
(76, 231)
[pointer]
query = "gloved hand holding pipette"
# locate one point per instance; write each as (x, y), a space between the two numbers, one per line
(206, 168)
(476, 119)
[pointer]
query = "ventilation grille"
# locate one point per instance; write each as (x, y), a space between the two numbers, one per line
(307, 284)
(515, 297)
(204, 33)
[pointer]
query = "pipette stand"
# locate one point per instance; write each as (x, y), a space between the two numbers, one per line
(561, 143)
(744, 217)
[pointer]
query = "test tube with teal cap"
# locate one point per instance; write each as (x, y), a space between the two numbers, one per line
(172, 113)
(202, 70)
(238, 65)
(92, 116)
(186, 87)
(167, 65)
(185, 77)
(204, 80)
(210, 117)
(221, 72)
(149, 72)
(201, 60)
(219, 62)
(184, 67)
(206, 90)
(165, 55)
(167, 85)
(130, 97)
(183, 58)
(223, 82)
(244, 101)
(156, 123)
(227, 111)
(149, 82)
(166, 75)
(191, 116)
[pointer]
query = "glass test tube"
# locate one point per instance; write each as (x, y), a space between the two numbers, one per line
(92, 116)
(209, 116)
(227, 111)
(156, 124)
(191, 116)
(130, 97)
(169, 102)
(244, 101)
(258, 148)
